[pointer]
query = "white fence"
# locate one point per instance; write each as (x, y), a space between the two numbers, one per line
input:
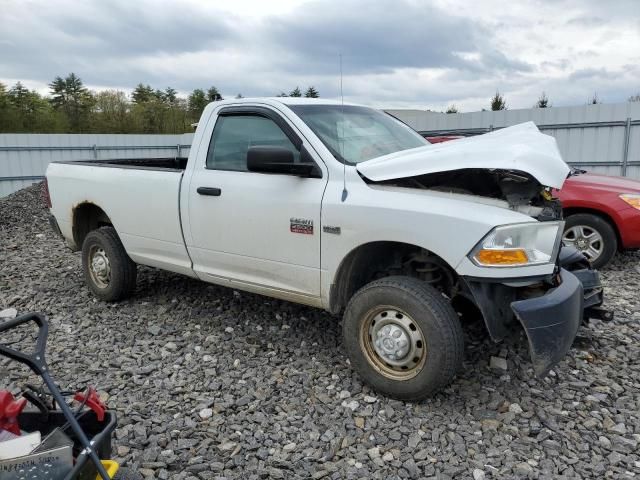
(604, 138)
(24, 157)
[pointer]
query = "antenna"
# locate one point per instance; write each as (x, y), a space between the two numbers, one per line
(344, 162)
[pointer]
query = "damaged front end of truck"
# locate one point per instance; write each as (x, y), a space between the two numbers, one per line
(550, 309)
(516, 169)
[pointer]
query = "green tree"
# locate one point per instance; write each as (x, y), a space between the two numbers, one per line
(295, 92)
(170, 95)
(213, 95)
(594, 100)
(19, 96)
(142, 93)
(111, 112)
(73, 108)
(311, 93)
(196, 103)
(4, 100)
(70, 96)
(498, 102)
(452, 109)
(158, 116)
(7, 112)
(543, 101)
(27, 111)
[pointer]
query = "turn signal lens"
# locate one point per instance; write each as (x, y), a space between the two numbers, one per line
(519, 244)
(631, 199)
(502, 257)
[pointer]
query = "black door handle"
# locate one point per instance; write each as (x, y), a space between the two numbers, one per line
(212, 192)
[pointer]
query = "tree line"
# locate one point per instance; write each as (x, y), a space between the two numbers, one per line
(71, 107)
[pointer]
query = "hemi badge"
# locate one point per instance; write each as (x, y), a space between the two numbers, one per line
(301, 225)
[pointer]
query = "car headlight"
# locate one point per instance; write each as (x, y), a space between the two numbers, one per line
(632, 199)
(519, 244)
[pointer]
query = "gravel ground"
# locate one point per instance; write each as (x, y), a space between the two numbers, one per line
(214, 383)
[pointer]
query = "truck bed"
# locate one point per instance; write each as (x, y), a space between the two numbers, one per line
(172, 164)
(140, 196)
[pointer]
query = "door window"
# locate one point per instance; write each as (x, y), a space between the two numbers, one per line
(234, 134)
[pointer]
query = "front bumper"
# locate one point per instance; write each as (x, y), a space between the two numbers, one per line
(628, 222)
(551, 321)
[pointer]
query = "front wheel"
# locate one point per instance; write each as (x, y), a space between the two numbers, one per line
(593, 236)
(108, 270)
(403, 337)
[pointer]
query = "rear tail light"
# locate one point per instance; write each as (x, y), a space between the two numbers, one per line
(46, 198)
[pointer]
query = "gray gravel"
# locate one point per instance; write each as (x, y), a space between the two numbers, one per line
(213, 383)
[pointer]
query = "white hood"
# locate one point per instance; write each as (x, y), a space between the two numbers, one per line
(521, 147)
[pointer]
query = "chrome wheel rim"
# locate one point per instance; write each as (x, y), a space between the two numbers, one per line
(586, 239)
(99, 267)
(393, 343)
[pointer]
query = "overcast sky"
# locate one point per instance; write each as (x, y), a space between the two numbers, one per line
(396, 53)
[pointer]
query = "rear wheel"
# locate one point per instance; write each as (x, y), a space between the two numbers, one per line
(403, 337)
(108, 270)
(593, 236)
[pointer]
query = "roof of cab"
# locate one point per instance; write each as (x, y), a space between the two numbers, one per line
(285, 101)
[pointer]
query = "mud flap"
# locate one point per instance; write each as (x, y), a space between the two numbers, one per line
(551, 321)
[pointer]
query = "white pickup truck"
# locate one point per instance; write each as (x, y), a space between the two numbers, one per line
(345, 208)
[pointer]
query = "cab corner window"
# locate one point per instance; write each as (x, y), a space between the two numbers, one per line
(233, 135)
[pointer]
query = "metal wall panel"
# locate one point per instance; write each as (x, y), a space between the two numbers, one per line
(597, 146)
(24, 157)
(591, 136)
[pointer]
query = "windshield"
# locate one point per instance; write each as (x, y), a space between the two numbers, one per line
(356, 134)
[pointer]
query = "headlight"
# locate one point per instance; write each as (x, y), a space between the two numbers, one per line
(519, 244)
(632, 199)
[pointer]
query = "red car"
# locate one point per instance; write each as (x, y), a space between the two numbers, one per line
(602, 213)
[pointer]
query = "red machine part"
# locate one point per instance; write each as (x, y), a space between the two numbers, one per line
(91, 399)
(10, 408)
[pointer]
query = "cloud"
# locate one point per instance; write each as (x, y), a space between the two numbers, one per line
(378, 37)
(400, 53)
(44, 39)
(586, 21)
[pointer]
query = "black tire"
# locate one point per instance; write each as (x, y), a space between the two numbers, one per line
(438, 325)
(127, 474)
(600, 225)
(121, 281)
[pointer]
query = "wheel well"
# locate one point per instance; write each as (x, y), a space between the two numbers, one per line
(87, 217)
(375, 260)
(599, 213)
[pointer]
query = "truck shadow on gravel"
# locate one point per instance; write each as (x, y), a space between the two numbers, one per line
(299, 332)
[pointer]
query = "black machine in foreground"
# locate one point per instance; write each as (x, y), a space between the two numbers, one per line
(74, 444)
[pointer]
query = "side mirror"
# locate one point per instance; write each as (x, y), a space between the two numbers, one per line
(269, 159)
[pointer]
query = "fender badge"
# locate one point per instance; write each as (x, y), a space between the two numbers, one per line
(301, 225)
(330, 229)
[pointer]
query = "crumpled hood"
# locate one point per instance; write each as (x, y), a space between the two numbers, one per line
(520, 147)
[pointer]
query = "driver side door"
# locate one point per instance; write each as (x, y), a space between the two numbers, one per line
(256, 231)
